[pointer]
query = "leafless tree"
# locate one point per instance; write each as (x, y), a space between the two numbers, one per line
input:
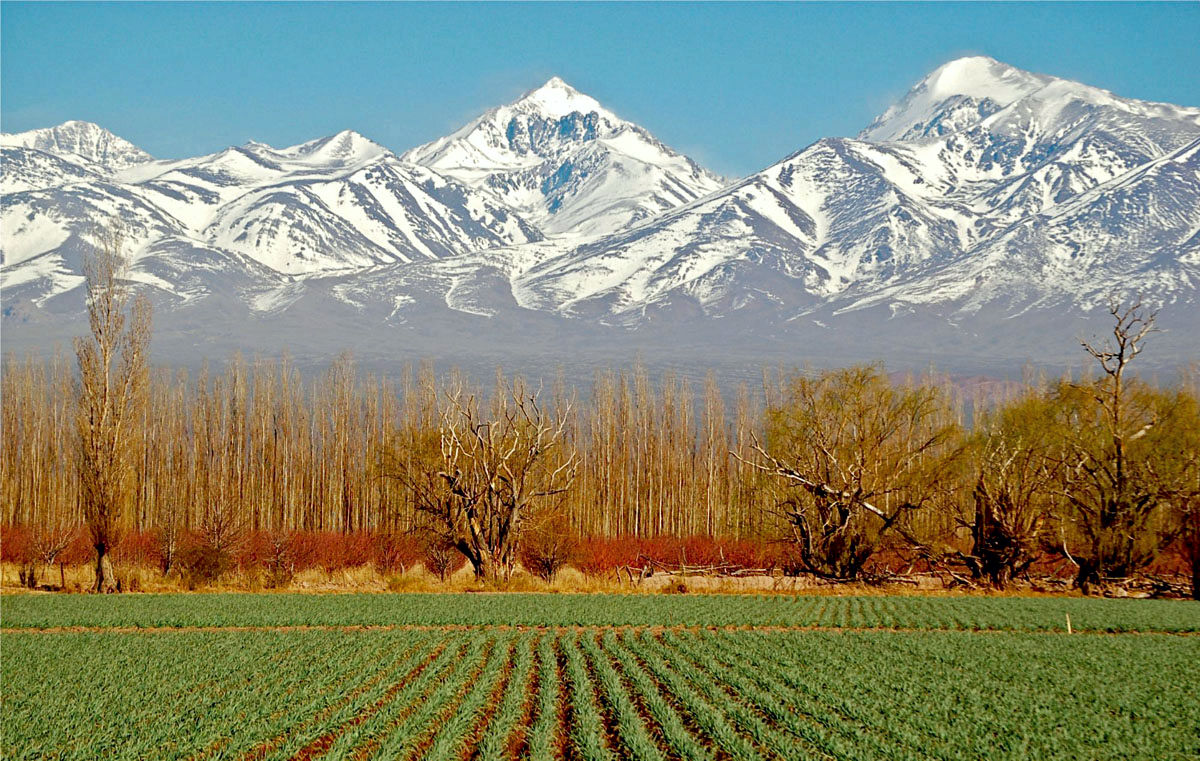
(109, 391)
(481, 476)
(48, 540)
(220, 422)
(1124, 459)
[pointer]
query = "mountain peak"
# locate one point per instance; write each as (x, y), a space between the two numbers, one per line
(954, 96)
(84, 139)
(566, 163)
(557, 99)
(78, 125)
(345, 147)
(517, 134)
(981, 77)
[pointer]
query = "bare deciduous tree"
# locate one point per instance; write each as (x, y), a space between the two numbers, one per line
(481, 476)
(109, 391)
(1123, 460)
(48, 540)
(219, 420)
(252, 448)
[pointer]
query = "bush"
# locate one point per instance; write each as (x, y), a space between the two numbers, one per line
(395, 552)
(441, 559)
(207, 556)
(16, 544)
(204, 564)
(140, 548)
(600, 556)
(331, 550)
(545, 553)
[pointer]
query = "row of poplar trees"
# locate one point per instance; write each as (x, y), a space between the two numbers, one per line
(843, 465)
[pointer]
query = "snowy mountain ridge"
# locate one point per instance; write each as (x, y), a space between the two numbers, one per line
(80, 140)
(858, 222)
(324, 205)
(984, 194)
(956, 95)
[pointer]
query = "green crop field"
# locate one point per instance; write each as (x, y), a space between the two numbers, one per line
(923, 613)
(597, 677)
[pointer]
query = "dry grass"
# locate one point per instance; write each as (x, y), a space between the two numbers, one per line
(81, 578)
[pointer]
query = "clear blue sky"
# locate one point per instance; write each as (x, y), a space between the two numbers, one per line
(735, 86)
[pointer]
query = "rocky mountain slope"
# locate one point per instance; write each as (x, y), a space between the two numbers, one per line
(567, 164)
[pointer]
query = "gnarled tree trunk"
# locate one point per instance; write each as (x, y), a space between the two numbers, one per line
(106, 580)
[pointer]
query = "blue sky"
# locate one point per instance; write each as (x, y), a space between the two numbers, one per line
(735, 86)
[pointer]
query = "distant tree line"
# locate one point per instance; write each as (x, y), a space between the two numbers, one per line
(843, 465)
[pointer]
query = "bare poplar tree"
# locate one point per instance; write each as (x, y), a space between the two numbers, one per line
(36, 491)
(112, 382)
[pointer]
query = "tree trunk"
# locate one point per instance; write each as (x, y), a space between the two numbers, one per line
(28, 575)
(1191, 547)
(486, 567)
(489, 565)
(106, 580)
(1000, 575)
(1088, 579)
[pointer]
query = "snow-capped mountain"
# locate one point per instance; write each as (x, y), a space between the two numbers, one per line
(567, 164)
(1136, 234)
(69, 153)
(80, 140)
(955, 96)
(341, 202)
(981, 165)
(989, 211)
(335, 203)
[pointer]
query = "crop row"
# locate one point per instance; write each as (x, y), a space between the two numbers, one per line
(633, 693)
(274, 610)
